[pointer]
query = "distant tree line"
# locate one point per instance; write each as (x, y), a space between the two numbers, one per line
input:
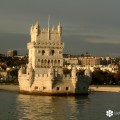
(13, 64)
(100, 77)
(13, 61)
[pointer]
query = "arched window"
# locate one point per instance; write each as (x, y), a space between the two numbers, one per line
(41, 61)
(45, 61)
(51, 61)
(58, 61)
(52, 52)
(43, 52)
(48, 61)
(55, 61)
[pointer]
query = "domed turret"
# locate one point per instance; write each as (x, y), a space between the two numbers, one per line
(88, 72)
(30, 68)
(31, 74)
(74, 71)
(88, 76)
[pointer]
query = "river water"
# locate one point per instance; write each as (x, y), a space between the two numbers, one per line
(15, 106)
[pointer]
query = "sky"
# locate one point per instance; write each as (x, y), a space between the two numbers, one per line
(88, 25)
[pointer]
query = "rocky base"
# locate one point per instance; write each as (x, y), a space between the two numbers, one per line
(51, 94)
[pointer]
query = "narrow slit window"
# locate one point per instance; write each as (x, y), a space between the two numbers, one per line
(58, 88)
(67, 88)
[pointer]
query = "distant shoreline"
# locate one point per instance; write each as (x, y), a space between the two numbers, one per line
(104, 88)
(12, 88)
(91, 88)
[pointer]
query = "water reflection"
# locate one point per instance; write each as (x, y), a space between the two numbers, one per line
(50, 108)
(14, 106)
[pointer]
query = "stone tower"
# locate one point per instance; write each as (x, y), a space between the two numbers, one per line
(43, 74)
(45, 49)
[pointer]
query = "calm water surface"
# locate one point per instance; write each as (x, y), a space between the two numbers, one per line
(15, 106)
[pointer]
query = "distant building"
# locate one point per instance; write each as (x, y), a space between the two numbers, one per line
(92, 61)
(113, 68)
(2, 55)
(12, 53)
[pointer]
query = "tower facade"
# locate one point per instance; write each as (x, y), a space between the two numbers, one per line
(46, 48)
(44, 72)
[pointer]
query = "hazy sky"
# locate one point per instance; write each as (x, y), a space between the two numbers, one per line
(88, 25)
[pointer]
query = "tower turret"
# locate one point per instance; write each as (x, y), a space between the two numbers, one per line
(49, 28)
(34, 31)
(30, 74)
(74, 72)
(88, 75)
(59, 28)
(88, 72)
(74, 76)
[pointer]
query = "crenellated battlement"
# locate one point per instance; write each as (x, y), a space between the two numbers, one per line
(53, 30)
(38, 33)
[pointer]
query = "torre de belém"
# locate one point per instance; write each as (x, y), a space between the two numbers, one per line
(43, 75)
